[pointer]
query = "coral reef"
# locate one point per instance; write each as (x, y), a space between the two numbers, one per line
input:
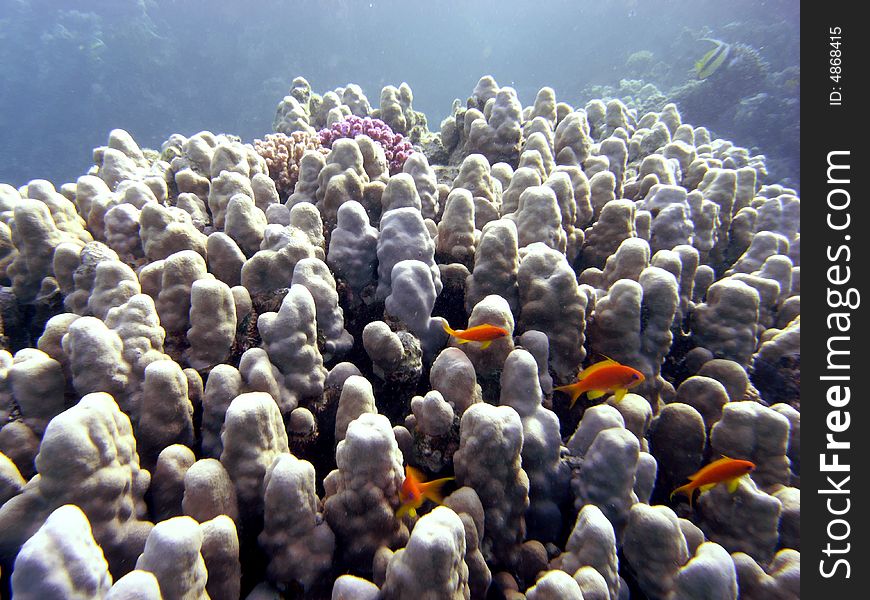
(283, 154)
(64, 541)
(396, 149)
(175, 416)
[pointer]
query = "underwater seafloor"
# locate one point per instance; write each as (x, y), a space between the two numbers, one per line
(220, 356)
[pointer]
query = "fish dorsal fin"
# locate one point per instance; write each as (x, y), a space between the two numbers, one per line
(415, 474)
(709, 466)
(607, 362)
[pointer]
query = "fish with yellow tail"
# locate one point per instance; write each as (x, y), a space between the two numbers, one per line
(606, 376)
(415, 490)
(485, 333)
(725, 470)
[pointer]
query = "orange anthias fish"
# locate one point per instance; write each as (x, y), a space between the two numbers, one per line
(725, 470)
(479, 333)
(415, 490)
(601, 378)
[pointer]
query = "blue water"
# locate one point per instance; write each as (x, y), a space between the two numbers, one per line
(156, 67)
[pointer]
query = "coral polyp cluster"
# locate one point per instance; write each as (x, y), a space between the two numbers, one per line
(218, 360)
(283, 153)
(396, 148)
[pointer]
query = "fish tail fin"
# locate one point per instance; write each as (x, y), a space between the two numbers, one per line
(620, 394)
(452, 332)
(485, 344)
(572, 390)
(433, 489)
(687, 490)
(575, 394)
(447, 327)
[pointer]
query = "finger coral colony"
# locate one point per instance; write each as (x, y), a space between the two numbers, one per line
(220, 357)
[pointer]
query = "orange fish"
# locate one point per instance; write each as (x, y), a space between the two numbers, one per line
(479, 333)
(725, 470)
(601, 378)
(415, 490)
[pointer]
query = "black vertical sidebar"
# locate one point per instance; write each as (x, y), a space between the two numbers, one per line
(835, 257)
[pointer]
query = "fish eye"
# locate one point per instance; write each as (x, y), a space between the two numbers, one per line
(634, 376)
